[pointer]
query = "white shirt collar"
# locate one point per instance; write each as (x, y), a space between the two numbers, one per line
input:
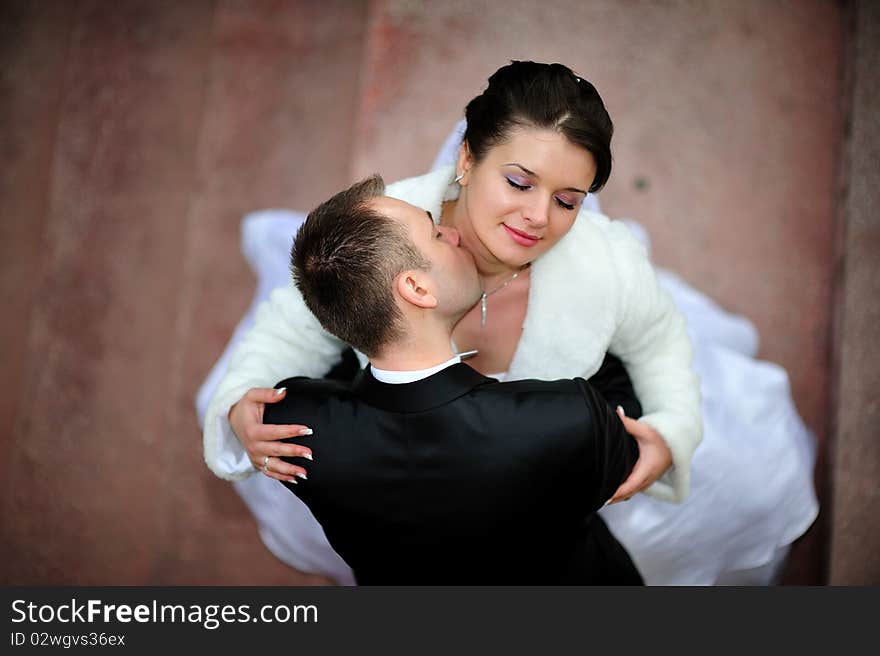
(400, 377)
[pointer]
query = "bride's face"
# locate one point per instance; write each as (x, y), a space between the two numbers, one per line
(522, 197)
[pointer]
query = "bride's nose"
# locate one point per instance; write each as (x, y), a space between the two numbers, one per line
(538, 212)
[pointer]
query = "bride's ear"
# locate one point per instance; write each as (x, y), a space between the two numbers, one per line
(412, 287)
(464, 163)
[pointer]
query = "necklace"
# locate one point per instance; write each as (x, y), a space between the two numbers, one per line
(497, 289)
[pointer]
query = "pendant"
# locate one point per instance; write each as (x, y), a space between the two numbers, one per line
(483, 310)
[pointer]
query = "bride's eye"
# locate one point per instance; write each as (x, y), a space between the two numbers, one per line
(564, 205)
(515, 185)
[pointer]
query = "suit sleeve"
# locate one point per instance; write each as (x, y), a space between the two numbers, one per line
(286, 340)
(614, 452)
(614, 384)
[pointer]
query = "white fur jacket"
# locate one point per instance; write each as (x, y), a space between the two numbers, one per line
(595, 291)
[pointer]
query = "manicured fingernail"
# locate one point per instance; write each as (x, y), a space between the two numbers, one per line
(307, 456)
(293, 480)
(606, 503)
(280, 391)
(621, 411)
(302, 476)
(306, 431)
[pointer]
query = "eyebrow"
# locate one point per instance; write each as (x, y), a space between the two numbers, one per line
(532, 173)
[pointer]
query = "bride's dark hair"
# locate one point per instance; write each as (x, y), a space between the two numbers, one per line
(549, 96)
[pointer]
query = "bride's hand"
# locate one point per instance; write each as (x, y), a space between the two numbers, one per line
(654, 458)
(262, 441)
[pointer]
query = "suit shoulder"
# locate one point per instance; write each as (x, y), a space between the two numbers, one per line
(301, 386)
(562, 386)
(306, 399)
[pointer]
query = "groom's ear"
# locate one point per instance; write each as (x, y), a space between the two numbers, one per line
(413, 288)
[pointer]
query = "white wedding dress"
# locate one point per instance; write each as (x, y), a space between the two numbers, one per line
(751, 490)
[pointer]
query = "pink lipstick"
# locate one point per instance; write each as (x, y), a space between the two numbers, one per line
(519, 237)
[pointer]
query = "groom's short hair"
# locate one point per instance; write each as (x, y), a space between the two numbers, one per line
(344, 261)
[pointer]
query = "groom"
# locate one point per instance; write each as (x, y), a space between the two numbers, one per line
(424, 470)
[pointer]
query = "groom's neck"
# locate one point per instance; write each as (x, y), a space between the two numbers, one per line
(430, 347)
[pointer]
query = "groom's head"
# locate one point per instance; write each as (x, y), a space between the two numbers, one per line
(372, 268)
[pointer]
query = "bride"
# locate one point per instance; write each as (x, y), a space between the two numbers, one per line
(751, 490)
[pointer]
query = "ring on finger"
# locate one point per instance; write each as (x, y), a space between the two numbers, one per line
(266, 465)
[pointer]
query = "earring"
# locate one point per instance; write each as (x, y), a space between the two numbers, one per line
(459, 177)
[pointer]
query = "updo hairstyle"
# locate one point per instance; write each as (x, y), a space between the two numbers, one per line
(526, 94)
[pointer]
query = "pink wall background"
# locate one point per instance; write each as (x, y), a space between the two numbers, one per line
(136, 134)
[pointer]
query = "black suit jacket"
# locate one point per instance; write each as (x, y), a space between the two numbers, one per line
(460, 479)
